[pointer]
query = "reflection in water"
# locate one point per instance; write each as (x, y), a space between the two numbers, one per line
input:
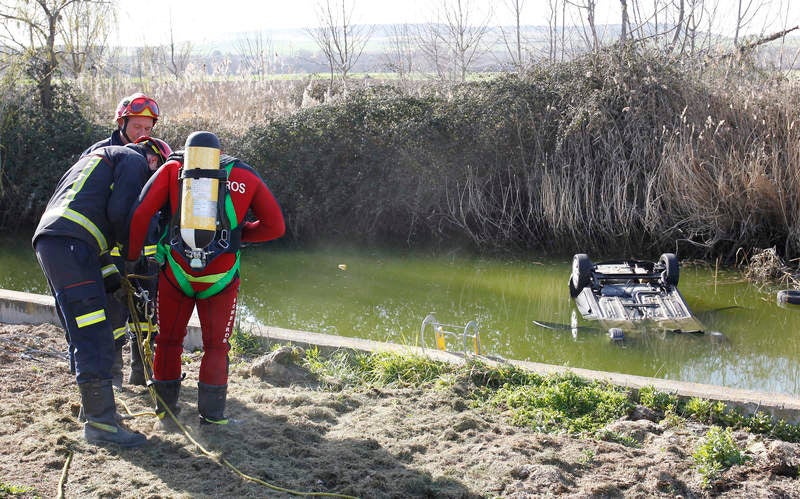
(775, 374)
(385, 297)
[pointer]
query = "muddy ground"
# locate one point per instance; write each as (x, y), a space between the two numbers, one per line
(375, 443)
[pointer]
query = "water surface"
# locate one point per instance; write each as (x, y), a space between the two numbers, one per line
(385, 296)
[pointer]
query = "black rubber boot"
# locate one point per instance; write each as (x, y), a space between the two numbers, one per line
(211, 403)
(137, 376)
(167, 393)
(82, 416)
(97, 397)
(116, 367)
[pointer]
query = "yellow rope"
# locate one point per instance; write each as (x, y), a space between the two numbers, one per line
(147, 358)
(63, 479)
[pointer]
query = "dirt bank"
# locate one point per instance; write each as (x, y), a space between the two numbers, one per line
(366, 443)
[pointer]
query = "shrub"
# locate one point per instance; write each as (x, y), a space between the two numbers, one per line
(716, 452)
(37, 148)
(618, 149)
(659, 401)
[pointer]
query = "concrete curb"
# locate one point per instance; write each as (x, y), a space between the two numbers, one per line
(26, 308)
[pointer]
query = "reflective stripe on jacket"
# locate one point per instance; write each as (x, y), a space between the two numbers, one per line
(93, 198)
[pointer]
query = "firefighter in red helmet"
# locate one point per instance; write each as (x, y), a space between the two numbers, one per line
(135, 117)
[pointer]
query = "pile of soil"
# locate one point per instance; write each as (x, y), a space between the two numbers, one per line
(291, 433)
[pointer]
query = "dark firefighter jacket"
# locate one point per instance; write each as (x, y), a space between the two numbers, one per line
(94, 197)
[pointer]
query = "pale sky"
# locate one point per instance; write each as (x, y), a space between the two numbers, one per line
(202, 20)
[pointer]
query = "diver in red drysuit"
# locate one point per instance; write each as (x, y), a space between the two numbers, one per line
(213, 289)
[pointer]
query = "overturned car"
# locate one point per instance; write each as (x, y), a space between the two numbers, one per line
(623, 293)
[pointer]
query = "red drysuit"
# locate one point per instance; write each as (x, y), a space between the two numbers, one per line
(217, 312)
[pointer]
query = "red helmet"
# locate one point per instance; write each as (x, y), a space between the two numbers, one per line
(137, 104)
(157, 146)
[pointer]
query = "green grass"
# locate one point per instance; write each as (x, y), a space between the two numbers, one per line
(659, 401)
(717, 413)
(244, 343)
(564, 403)
(546, 403)
(556, 403)
(716, 452)
(10, 490)
(341, 368)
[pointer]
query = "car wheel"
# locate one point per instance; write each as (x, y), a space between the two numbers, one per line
(670, 274)
(581, 274)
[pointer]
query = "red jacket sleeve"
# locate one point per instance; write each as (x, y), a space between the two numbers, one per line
(269, 223)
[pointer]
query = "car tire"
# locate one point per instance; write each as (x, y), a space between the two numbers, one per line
(790, 296)
(581, 274)
(671, 272)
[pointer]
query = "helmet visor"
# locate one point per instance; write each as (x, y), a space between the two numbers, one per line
(139, 104)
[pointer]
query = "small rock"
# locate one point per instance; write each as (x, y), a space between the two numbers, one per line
(637, 430)
(279, 367)
(642, 412)
(783, 458)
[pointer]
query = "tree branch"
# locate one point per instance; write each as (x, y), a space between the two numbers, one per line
(740, 51)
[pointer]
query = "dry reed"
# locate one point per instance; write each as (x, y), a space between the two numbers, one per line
(766, 269)
(602, 156)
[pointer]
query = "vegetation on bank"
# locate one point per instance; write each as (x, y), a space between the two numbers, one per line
(620, 149)
(558, 403)
(717, 452)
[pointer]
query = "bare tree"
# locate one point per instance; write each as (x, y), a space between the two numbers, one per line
(666, 24)
(461, 35)
(32, 29)
(552, 29)
(746, 11)
(341, 41)
(145, 61)
(176, 56)
(429, 41)
(400, 57)
(590, 6)
(563, 28)
(785, 22)
(255, 51)
(645, 23)
(679, 26)
(85, 28)
(698, 28)
(513, 40)
(624, 23)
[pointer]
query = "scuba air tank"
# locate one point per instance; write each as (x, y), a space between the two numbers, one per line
(201, 177)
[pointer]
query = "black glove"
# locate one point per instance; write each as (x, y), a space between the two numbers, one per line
(121, 294)
(131, 267)
(151, 266)
(144, 266)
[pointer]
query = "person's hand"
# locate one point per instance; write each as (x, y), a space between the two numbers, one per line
(152, 266)
(130, 267)
(121, 294)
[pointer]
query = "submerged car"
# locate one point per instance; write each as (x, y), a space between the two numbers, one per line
(627, 293)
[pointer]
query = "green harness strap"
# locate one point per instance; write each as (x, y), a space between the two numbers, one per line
(221, 280)
(185, 280)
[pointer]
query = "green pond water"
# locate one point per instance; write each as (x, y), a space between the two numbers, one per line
(386, 296)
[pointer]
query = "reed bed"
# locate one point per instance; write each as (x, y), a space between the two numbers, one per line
(236, 100)
(616, 153)
(766, 269)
